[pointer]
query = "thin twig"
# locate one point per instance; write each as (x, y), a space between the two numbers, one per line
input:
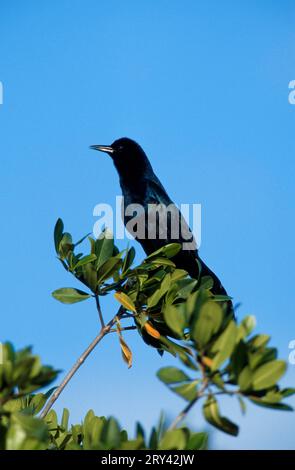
(126, 328)
(185, 411)
(99, 311)
(127, 315)
(103, 332)
(224, 392)
(105, 329)
(200, 394)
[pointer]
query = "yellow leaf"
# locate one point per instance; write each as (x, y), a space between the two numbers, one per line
(207, 361)
(126, 352)
(125, 301)
(151, 330)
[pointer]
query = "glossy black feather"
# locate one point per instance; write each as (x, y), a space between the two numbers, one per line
(140, 185)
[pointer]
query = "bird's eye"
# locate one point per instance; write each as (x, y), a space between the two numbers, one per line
(120, 148)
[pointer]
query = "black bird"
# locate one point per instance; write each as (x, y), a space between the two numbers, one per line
(140, 185)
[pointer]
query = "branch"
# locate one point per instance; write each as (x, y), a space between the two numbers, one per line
(125, 328)
(224, 392)
(185, 411)
(99, 311)
(103, 332)
(188, 407)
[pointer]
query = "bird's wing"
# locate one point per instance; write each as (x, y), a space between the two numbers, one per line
(156, 192)
(173, 225)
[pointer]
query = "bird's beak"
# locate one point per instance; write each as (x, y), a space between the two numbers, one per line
(102, 148)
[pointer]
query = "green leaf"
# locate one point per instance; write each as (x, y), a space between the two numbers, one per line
(157, 295)
(175, 318)
(65, 245)
(261, 356)
(194, 301)
(161, 262)
(245, 379)
(153, 440)
(212, 415)
(107, 269)
(197, 441)
(176, 349)
(239, 358)
(104, 248)
(92, 430)
(268, 374)
(187, 391)
(273, 395)
(58, 232)
(207, 323)
(184, 288)
(139, 432)
(168, 251)
(287, 392)
(88, 418)
(111, 434)
(85, 260)
(247, 326)
(135, 444)
(69, 295)
(26, 432)
(92, 245)
(274, 406)
(187, 360)
(51, 420)
(129, 258)
(172, 375)
(36, 402)
(242, 405)
(224, 345)
(206, 282)
(64, 264)
(175, 439)
(178, 274)
(65, 419)
(221, 298)
(259, 341)
(90, 276)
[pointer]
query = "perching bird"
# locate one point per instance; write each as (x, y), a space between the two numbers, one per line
(140, 185)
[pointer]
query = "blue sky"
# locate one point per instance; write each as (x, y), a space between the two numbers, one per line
(203, 86)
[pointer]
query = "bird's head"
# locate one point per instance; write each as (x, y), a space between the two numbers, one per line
(128, 157)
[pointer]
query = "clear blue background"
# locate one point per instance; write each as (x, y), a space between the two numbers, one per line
(203, 86)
